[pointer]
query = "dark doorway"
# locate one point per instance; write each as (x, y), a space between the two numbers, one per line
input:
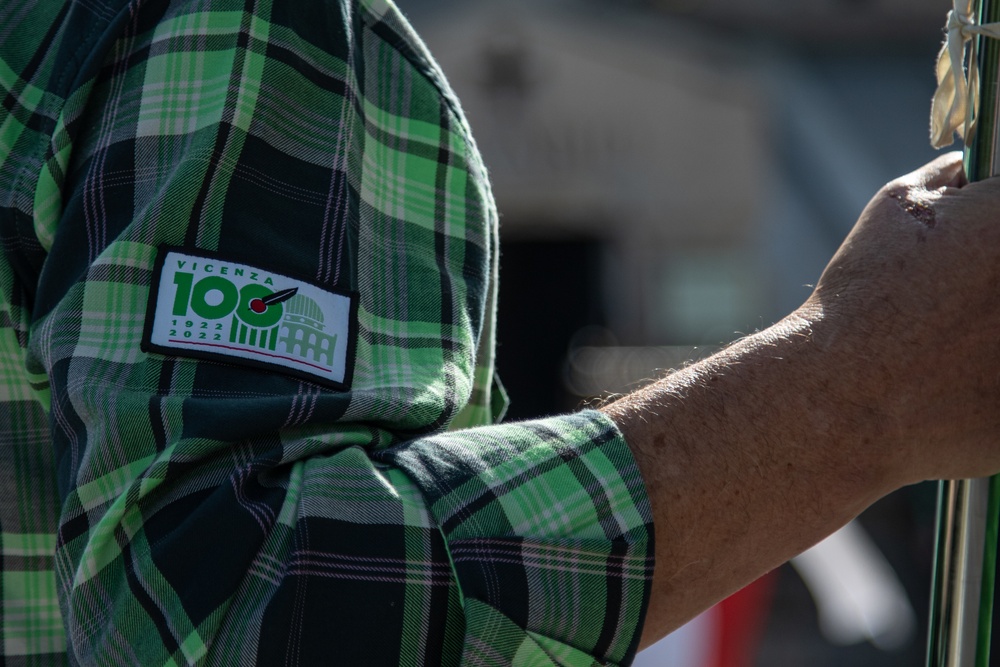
(549, 290)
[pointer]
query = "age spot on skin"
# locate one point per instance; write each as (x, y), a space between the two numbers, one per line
(919, 210)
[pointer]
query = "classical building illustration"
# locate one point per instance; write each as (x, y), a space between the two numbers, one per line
(302, 334)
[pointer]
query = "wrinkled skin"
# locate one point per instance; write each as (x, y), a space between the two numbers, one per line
(911, 302)
(887, 375)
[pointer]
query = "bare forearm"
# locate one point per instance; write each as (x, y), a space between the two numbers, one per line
(888, 374)
(749, 458)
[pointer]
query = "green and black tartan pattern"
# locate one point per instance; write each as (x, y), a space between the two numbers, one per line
(163, 510)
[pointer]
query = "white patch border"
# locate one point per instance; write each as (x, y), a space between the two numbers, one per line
(245, 359)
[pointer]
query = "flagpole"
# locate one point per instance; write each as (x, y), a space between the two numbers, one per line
(961, 614)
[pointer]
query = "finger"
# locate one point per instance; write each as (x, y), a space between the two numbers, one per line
(944, 171)
(990, 184)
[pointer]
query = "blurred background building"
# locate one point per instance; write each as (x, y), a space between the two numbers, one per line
(674, 173)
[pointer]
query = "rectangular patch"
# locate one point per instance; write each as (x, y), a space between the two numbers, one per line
(203, 306)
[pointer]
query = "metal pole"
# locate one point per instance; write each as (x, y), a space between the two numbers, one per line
(961, 614)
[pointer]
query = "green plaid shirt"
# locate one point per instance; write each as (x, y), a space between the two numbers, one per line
(186, 188)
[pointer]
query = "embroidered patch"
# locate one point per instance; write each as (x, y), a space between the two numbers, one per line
(203, 306)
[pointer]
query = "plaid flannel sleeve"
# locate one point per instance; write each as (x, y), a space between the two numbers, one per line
(216, 511)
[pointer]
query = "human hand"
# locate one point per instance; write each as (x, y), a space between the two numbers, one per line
(888, 374)
(909, 310)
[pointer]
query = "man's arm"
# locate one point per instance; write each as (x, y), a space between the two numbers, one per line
(886, 376)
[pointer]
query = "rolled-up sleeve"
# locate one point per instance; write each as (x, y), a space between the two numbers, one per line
(549, 533)
(261, 298)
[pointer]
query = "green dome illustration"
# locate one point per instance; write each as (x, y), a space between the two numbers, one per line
(302, 334)
(303, 306)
